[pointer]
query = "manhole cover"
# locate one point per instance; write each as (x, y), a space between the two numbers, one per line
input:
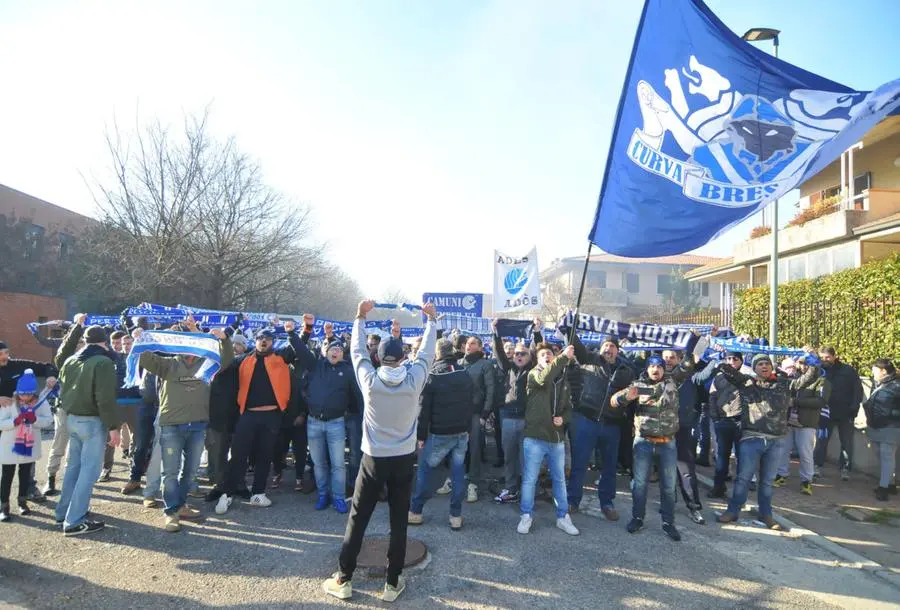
(373, 555)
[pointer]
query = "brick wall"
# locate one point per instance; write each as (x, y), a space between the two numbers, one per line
(16, 310)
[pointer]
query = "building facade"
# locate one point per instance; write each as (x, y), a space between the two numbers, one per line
(37, 238)
(627, 289)
(858, 220)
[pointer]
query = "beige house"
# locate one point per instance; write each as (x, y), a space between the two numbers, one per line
(623, 288)
(864, 224)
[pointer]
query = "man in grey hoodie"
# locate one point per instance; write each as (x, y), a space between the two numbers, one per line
(391, 411)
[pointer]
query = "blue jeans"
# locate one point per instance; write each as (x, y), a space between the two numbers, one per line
(644, 451)
(589, 436)
(143, 440)
(326, 444)
(181, 447)
(87, 444)
(756, 452)
(535, 451)
(728, 433)
(353, 421)
(437, 447)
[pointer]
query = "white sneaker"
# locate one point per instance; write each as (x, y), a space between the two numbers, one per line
(445, 488)
(524, 524)
(223, 504)
(566, 525)
(390, 593)
(340, 590)
(472, 493)
(260, 500)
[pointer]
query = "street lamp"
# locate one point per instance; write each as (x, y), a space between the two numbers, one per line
(760, 35)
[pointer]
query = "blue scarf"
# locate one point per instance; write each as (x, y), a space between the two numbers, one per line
(667, 336)
(175, 344)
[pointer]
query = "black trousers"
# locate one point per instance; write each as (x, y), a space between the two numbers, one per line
(297, 436)
(255, 431)
(687, 472)
(218, 444)
(6, 479)
(374, 473)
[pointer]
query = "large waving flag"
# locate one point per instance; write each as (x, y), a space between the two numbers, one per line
(710, 129)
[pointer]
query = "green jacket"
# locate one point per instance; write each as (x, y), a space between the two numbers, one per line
(89, 381)
(547, 397)
(69, 345)
(809, 400)
(182, 397)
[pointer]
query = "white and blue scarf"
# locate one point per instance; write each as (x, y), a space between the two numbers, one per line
(175, 344)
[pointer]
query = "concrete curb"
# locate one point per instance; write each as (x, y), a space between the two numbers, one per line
(858, 561)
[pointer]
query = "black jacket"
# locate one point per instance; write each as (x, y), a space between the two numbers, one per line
(883, 407)
(516, 398)
(600, 380)
(846, 391)
(223, 406)
(481, 370)
(9, 374)
(447, 400)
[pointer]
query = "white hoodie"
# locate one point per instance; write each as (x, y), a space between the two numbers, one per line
(391, 395)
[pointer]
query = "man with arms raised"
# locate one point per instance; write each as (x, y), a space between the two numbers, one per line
(391, 410)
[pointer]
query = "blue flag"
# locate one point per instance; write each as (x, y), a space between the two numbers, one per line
(710, 129)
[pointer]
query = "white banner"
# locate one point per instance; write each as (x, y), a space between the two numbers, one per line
(517, 284)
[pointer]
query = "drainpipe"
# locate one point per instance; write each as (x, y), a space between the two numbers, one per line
(851, 183)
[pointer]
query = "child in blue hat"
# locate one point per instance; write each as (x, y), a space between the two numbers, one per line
(20, 443)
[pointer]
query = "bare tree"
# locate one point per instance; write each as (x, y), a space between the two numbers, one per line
(189, 218)
(395, 296)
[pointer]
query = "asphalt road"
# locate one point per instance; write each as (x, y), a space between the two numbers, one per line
(277, 557)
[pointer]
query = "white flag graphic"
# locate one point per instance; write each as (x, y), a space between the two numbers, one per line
(517, 284)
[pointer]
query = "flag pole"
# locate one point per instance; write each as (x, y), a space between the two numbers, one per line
(587, 260)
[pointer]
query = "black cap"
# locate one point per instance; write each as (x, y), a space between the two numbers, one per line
(95, 334)
(266, 333)
(337, 344)
(3, 345)
(610, 339)
(391, 351)
(735, 355)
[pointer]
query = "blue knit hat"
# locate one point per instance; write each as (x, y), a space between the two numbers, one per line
(810, 359)
(655, 360)
(27, 383)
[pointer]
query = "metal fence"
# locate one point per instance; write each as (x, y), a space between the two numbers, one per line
(700, 316)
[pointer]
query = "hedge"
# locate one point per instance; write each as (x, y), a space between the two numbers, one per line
(857, 311)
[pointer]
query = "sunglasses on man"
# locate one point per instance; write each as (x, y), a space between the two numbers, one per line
(520, 354)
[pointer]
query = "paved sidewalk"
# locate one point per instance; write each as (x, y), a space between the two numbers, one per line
(844, 512)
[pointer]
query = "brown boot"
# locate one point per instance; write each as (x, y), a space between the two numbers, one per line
(610, 513)
(727, 518)
(774, 525)
(131, 487)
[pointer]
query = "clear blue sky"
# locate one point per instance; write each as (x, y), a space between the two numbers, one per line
(427, 132)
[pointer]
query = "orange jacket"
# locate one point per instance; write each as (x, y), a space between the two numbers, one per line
(279, 376)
